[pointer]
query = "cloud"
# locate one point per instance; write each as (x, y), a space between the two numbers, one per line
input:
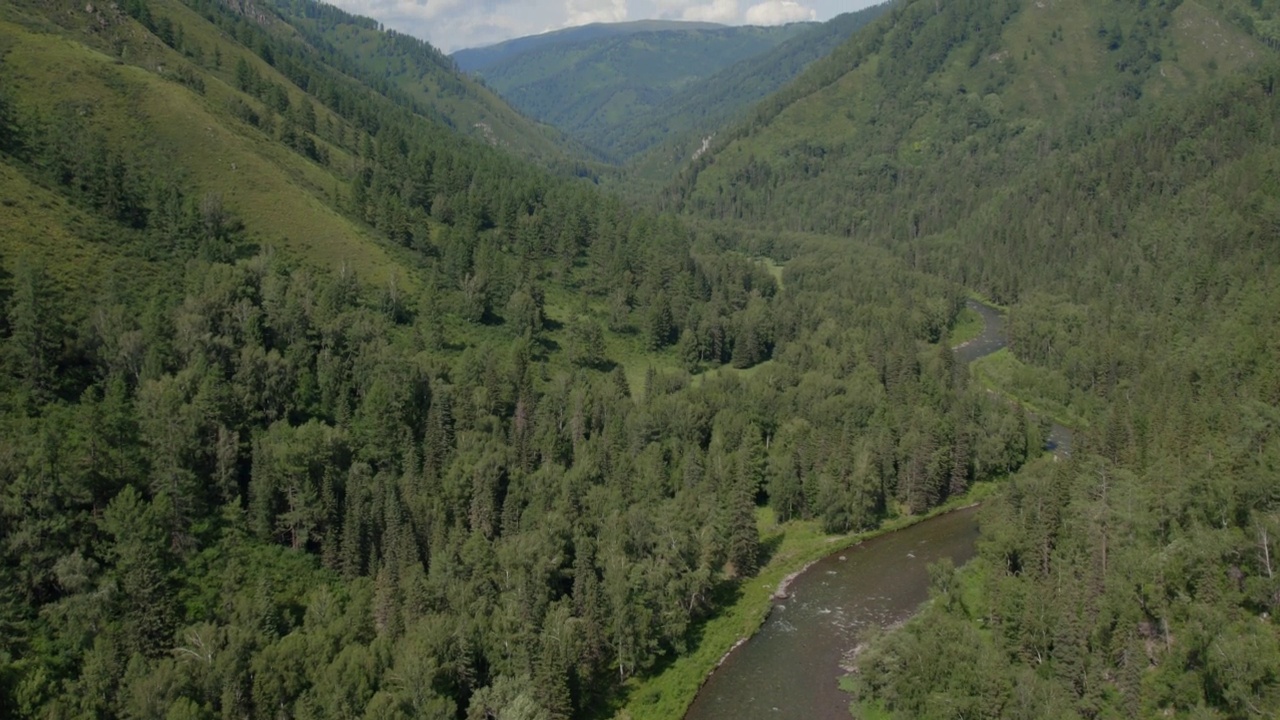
(454, 24)
(585, 12)
(717, 11)
(779, 12)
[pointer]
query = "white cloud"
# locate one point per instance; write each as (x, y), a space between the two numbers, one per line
(717, 11)
(454, 24)
(585, 12)
(779, 12)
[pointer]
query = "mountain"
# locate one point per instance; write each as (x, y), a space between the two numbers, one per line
(403, 64)
(588, 88)
(900, 108)
(316, 402)
(475, 59)
(666, 137)
(1106, 169)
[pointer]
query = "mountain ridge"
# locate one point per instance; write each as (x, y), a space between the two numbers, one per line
(587, 88)
(670, 136)
(478, 58)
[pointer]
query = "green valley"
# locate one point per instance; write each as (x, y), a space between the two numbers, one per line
(315, 404)
(333, 386)
(589, 88)
(666, 139)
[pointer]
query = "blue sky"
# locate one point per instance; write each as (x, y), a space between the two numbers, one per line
(455, 24)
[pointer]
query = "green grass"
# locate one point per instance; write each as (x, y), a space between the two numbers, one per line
(669, 693)
(34, 227)
(870, 711)
(727, 370)
(774, 268)
(1041, 391)
(145, 115)
(968, 326)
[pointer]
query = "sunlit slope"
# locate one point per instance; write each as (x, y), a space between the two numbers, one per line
(147, 115)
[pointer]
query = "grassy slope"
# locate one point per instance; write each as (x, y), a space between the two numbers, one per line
(41, 227)
(284, 199)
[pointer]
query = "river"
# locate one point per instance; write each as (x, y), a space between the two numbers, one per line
(790, 668)
(995, 336)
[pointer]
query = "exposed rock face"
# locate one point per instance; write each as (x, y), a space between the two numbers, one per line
(251, 10)
(706, 145)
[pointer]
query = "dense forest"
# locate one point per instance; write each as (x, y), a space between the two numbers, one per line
(1125, 210)
(495, 451)
(319, 399)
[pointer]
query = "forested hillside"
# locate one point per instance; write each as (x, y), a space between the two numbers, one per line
(590, 88)
(665, 139)
(1108, 170)
(311, 406)
(394, 62)
(474, 59)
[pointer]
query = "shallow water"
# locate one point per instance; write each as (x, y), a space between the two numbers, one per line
(790, 669)
(993, 337)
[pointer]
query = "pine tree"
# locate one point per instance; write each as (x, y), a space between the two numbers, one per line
(438, 440)
(744, 534)
(36, 332)
(661, 325)
(140, 565)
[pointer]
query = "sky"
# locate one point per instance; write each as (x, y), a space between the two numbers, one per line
(455, 24)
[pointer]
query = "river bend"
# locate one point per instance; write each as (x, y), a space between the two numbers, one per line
(790, 668)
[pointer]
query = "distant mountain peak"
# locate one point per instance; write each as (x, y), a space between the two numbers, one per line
(618, 28)
(474, 59)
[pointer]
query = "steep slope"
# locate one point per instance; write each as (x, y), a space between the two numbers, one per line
(278, 132)
(415, 68)
(1108, 170)
(162, 114)
(590, 88)
(475, 59)
(312, 406)
(938, 103)
(676, 129)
